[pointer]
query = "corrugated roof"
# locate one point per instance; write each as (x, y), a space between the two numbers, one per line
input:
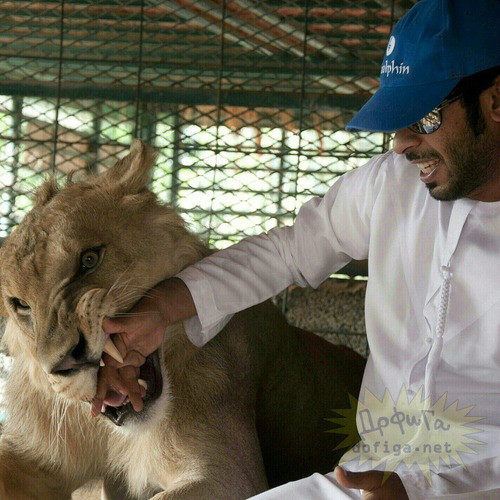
(236, 52)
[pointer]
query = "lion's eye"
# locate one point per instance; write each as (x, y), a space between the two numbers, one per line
(21, 306)
(89, 259)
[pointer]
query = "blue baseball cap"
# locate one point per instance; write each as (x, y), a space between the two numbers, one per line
(432, 47)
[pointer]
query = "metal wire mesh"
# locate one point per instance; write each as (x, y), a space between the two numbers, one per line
(246, 100)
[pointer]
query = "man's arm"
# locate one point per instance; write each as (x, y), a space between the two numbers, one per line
(327, 234)
(142, 329)
(479, 480)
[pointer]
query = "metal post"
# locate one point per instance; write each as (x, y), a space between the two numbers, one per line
(174, 190)
(95, 138)
(9, 195)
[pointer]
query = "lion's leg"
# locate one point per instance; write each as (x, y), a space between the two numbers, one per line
(24, 479)
(236, 470)
(116, 489)
(199, 491)
(229, 482)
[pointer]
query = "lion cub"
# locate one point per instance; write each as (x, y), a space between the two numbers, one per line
(225, 421)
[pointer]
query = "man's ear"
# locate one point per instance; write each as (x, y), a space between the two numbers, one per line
(495, 106)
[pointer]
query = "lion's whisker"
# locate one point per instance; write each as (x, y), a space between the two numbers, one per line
(139, 291)
(116, 283)
(132, 293)
(145, 313)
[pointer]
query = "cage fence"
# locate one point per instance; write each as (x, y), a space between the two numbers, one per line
(245, 100)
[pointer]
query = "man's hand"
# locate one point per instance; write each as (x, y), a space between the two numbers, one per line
(136, 334)
(371, 484)
(114, 385)
(142, 328)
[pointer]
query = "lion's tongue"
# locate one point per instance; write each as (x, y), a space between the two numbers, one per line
(114, 398)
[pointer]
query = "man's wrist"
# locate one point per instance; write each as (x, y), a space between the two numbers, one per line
(174, 300)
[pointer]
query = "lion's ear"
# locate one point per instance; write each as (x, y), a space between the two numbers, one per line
(45, 192)
(132, 173)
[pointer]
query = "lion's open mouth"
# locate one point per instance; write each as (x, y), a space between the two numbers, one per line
(117, 409)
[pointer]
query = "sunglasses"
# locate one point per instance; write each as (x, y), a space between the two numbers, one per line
(432, 121)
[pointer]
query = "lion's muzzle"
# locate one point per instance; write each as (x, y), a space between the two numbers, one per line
(77, 358)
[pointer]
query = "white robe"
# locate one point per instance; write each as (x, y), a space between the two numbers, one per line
(416, 248)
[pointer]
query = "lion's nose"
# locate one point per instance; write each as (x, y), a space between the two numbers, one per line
(75, 359)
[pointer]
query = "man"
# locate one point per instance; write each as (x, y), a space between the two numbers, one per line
(427, 216)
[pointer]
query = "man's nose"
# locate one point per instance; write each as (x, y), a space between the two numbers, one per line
(405, 140)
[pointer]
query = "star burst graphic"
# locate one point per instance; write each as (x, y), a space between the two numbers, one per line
(406, 431)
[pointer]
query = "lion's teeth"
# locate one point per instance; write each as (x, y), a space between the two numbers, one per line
(111, 349)
(142, 383)
(101, 363)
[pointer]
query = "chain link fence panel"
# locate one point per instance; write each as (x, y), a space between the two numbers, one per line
(245, 100)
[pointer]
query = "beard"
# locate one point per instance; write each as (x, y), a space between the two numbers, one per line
(472, 163)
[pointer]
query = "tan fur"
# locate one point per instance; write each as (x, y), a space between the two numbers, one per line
(257, 395)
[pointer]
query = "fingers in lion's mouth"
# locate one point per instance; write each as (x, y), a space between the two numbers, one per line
(95, 407)
(116, 398)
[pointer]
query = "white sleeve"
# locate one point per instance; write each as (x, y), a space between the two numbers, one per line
(328, 232)
(479, 479)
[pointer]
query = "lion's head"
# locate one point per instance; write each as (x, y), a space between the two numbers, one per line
(86, 250)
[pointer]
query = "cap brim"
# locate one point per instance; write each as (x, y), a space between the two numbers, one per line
(394, 108)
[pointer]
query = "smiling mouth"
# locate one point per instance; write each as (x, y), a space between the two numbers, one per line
(428, 169)
(117, 410)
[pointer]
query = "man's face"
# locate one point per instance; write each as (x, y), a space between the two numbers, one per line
(454, 161)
